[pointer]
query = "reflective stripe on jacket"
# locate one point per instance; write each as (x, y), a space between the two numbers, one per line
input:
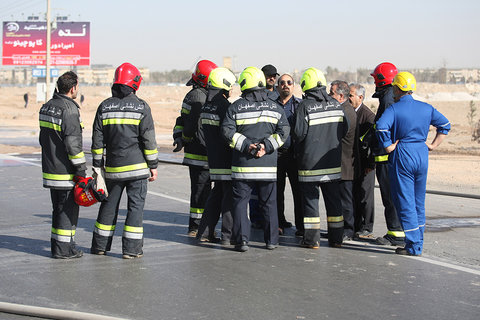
(255, 119)
(209, 134)
(186, 127)
(124, 127)
(320, 124)
(61, 142)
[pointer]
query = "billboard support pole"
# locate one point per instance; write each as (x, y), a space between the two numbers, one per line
(47, 60)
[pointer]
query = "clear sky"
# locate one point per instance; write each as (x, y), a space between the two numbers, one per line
(296, 34)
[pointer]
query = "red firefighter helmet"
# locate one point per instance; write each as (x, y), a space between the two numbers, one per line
(86, 193)
(129, 75)
(202, 71)
(384, 74)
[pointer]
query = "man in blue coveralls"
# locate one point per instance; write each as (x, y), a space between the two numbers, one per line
(402, 130)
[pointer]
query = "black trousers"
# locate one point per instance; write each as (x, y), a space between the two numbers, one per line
(363, 191)
(331, 197)
(391, 218)
(132, 237)
(346, 196)
(200, 187)
(64, 222)
(267, 207)
(219, 201)
(287, 167)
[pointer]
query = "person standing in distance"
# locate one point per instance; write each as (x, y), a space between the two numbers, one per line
(185, 134)
(124, 130)
(403, 130)
(62, 160)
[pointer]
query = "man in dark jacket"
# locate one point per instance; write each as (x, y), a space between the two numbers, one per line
(286, 165)
(340, 91)
(220, 83)
(124, 129)
(364, 181)
(185, 133)
(62, 160)
(255, 128)
(320, 124)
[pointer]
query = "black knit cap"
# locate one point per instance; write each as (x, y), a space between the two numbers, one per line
(269, 70)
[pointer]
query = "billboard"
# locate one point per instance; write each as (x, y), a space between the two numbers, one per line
(24, 43)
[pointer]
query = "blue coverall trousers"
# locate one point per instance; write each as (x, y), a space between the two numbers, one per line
(408, 174)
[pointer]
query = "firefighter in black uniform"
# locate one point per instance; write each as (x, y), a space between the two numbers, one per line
(124, 129)
(220, 83)
(383, 75)
(62, 160)
(320, 125)
(255, 128)
(185, 134)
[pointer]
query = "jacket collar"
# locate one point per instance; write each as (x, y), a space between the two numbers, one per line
(381, 91)
(57, 95)
(319, 94)
(255, 95)
(212, 93)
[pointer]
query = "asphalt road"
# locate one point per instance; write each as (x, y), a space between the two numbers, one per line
(178, 279)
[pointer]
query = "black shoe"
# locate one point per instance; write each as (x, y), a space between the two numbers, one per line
(132, 256)
(404, 252)
(324, 235)
(192, 233)
(299, 233)
(76, 254)
(210, 239)
(286, 225)
(242, 247)
(334, 244)
(270, 246)
(388, 240)
(304, 244)
(97, 252)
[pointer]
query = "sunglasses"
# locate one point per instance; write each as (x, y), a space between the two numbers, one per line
(283, 82)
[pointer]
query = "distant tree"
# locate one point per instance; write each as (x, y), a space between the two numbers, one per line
(472, 113)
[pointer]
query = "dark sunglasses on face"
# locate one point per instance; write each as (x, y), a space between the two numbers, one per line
(283, 82)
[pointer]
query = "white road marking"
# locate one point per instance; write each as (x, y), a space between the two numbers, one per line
(446, 265)
(168, 197)
(23, 160)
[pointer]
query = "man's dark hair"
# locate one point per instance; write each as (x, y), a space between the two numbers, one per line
(67, 81)
(342, 87)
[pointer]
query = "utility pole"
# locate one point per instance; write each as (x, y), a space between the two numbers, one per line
(47, 60)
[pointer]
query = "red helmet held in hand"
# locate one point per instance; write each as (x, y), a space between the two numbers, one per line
(202, 71)
(384, 74)
(85, 192)
(129, 75)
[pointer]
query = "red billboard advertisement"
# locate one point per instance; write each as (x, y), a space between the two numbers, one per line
(24, 43)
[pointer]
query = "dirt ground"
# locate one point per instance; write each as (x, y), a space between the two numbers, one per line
(454, 166)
